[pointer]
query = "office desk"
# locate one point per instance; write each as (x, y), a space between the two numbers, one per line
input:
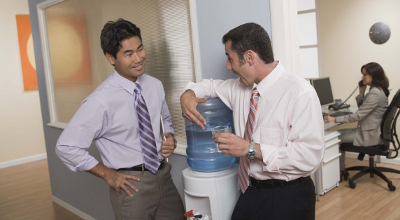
(350, 109)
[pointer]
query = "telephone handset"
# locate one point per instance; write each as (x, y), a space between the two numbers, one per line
(361, 83)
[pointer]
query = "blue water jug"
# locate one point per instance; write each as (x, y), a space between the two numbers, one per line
(202, 153)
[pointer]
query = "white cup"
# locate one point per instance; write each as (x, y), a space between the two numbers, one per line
(219, 129)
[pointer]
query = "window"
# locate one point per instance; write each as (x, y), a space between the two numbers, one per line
(308, 38)
(75, 64)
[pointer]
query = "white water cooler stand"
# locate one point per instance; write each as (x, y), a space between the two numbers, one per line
(213, 194)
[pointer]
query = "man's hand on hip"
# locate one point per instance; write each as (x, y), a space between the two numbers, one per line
(189, 102)
(115, 179)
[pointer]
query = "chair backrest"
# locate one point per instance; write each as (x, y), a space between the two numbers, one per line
(388, 125)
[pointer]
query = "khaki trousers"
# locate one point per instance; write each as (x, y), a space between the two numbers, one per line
(156, 199)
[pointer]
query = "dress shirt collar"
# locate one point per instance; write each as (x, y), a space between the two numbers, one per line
(269, 80)
(125, 83)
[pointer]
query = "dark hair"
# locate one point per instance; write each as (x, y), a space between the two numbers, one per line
(114, 32)
(250, 36)
(379, 78)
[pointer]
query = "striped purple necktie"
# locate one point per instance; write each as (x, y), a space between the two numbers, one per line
(147, 140)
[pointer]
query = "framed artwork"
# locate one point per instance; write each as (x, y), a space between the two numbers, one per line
(26, 52)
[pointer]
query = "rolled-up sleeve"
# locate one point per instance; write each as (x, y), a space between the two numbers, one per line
(214, 88)
(85, 126)
(205, 88)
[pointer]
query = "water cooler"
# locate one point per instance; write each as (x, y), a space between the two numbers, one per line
(210, 183)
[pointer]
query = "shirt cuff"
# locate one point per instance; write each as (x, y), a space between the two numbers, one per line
(169, 130)
(92, 162)
(197, 91)
(340, 119)
(270, 158)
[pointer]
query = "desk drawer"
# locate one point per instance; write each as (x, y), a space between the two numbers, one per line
(331, 135)
(330, 173)
(331, 148)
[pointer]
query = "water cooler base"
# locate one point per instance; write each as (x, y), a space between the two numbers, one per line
(213, 194)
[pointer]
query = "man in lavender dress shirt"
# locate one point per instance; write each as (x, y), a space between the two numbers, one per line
(108, 118)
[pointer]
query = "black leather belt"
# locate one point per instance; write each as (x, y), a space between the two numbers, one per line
(272, 183)
(141, 167)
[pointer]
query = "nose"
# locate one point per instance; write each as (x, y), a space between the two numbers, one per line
(228, 65)
(136, 58)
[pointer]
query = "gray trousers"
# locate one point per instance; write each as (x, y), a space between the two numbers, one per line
(157, 197)
(346, 136)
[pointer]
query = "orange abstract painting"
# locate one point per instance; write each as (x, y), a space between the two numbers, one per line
(26, 52)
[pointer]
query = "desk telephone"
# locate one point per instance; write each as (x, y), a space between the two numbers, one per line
(339, 104)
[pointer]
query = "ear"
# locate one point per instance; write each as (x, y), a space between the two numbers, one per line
(110, 59)
(249, 56)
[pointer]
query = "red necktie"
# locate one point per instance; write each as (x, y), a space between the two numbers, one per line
(244, 166)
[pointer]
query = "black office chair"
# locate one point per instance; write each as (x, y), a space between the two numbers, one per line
(389, 135)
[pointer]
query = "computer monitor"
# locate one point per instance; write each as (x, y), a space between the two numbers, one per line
(308, 80)
(324, 90)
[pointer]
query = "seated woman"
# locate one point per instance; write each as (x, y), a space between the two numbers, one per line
(371, 108)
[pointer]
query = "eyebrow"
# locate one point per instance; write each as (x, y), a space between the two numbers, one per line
(130, 51)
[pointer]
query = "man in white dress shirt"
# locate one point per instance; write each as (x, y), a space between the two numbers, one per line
(281, 116)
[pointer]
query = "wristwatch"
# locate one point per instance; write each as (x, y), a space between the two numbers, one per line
(251, 154)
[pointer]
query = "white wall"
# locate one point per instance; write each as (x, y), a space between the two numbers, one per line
(345, 44)
(21, 130)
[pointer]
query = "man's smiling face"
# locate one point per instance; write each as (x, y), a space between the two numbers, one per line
(130, 59)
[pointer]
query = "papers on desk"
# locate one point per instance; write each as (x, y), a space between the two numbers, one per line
(329, 125)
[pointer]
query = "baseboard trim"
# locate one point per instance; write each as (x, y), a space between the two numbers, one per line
(72, 209)
(23, 160)
(395, 161)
